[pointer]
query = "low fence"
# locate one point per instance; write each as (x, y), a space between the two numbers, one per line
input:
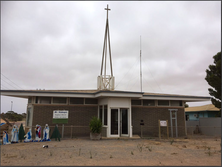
(163, 132)
(204, 130)
(66, 131)
(205, 126)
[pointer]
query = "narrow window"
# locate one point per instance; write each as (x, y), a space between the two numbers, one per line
(105, 115)
(45, 100)
(101, 113)
(91, 101)
(176, 103)
(163, 102)
(30, 100)
(136, 102)
(149, 102)
(59, 100)
(36, 99)
(76, 100)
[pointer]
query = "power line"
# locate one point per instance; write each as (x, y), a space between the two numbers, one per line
(11, 81)
(154, 80)
(127, 72)
(4, 86)
(9, 84)
(148, 84)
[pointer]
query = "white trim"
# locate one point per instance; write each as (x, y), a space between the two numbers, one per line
(187, 99)
(111, 94)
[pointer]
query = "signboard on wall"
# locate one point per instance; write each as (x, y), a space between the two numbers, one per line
(60, 116)
(163, 123)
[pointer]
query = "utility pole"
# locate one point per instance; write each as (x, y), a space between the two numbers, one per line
(140, 66)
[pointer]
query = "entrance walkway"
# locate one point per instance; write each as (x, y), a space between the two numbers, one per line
(122, 138)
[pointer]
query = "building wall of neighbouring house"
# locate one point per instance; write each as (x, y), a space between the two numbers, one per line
(79, 115)
(201, 114)
(150, 117)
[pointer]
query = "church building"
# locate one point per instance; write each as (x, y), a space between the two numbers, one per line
(122, 112)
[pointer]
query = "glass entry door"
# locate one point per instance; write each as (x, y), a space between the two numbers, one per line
(119, 122)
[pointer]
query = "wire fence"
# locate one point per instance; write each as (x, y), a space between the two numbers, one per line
(177, 131)
(66, 131)
(142, 131)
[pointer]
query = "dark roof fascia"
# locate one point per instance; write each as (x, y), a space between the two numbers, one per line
(44, 92)
(177, 96)
(61, 92)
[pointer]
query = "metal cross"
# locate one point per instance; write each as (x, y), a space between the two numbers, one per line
(107, 10)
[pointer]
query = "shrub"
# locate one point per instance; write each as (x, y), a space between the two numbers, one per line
(95, 125)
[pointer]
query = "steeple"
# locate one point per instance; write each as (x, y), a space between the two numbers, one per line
(104, 81)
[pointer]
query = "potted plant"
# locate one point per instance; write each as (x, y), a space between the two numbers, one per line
(95, 128)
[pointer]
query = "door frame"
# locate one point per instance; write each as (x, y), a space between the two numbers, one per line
(119, 123)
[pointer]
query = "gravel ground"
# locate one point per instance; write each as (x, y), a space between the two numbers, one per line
(115, 152)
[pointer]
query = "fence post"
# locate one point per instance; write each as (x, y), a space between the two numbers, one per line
(141, 131)
(192, 130)
(62, 130)
(71, 131)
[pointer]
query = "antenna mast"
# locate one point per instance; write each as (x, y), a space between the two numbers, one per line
(140, 67)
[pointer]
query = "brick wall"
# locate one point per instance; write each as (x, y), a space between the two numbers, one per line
(151, 115)
(79, 115)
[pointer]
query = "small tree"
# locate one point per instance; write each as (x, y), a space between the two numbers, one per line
(213, 78)
(56, 134)
(21, 133)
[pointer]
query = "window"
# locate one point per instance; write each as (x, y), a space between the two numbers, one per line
(30, 100)
(76, 100)
(91, 101)
(59, 100)
(176, 103)
(136, 102)
(105, 115)
(36, 99)
(148, 102)
(101, 113)
(45, 100)
(163, 102)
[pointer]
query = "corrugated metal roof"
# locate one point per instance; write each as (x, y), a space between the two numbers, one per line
(208, 107)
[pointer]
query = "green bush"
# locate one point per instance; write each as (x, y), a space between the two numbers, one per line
(95, 125)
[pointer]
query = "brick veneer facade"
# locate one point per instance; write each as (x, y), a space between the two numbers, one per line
(151, 115)
(79, 115)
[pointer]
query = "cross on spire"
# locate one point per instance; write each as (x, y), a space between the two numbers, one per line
(104, 81)
(107, 10)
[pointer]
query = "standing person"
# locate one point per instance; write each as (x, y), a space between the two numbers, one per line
(15, 133)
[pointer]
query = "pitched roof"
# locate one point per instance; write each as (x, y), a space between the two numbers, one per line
(208, 107)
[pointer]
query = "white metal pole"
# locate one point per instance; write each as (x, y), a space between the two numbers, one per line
(140, 66)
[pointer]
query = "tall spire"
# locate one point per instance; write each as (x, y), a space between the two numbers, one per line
(104, 81)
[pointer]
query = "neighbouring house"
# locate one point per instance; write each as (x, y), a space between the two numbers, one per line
(121, 112)
(205, 111)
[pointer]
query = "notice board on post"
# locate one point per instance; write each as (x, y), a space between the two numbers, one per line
(163, 123)
(60, 116)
